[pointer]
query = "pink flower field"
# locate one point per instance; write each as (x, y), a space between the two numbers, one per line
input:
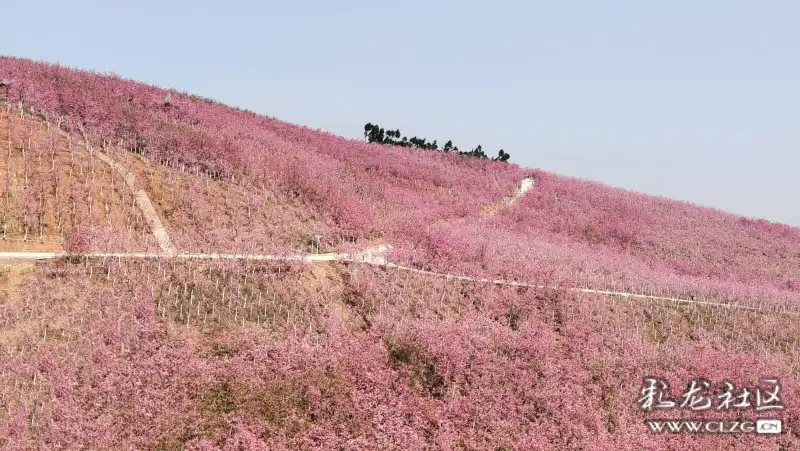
(170, 354)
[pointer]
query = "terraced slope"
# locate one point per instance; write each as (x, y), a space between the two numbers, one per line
(174, 353)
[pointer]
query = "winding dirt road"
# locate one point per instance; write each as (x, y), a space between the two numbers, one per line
(371, 256)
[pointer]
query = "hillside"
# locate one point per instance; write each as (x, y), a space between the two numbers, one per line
(192, 354)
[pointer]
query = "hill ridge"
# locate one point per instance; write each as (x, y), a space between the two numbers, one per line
(429, 325)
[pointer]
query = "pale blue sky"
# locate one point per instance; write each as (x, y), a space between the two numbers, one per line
(694, 100)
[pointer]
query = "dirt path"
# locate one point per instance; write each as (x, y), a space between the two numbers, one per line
(370, 256)
(142, 200)
(525, 186)
(624, 294)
